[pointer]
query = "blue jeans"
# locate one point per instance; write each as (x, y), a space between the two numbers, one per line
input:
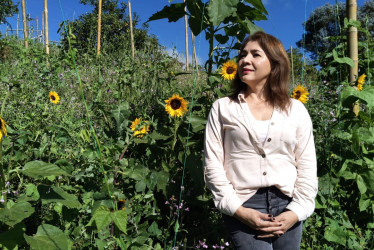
(266, 200)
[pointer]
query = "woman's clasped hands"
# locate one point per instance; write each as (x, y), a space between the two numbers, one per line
(266, 224)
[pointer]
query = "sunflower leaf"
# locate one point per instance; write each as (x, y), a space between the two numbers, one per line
(40, 169)
(173, 13)
(218, 10)
(48, 237)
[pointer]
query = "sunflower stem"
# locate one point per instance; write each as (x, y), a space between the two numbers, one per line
(2, 184)
(176, 125)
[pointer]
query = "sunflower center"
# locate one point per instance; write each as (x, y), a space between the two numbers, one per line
(53, 97)
(175, 104)
(230, 70)
(298, 94)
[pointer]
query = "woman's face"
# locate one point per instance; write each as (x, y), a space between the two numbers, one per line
(254, 65)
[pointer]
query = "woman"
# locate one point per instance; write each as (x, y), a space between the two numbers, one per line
(260, 161)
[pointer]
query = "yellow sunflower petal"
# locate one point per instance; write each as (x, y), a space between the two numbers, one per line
(176, 106)
(228, 70)
(54, 97)
(3, 126)
(300, 93)
(360, 82)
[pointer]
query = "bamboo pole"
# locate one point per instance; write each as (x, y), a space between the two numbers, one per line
(46, 32)
(99, 28)
(194, 53)
(186, 29)
(24, 24)
(29, 34)
(131, 32)
(43, 24)
(37, 29)
(17, 23)
(351, 6)
(292, 72)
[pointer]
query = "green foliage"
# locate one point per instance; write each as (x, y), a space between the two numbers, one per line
(115, 30)
(224, 22)
(8, 9)
(327, 22)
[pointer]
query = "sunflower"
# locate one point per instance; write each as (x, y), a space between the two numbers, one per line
(228, 70)
(121, 204)
(176, 106)
(3, 126)
(140, 132)
(53, 96)
(360, 82)
(300, 93)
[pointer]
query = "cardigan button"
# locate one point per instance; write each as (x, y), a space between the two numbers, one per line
(272, 123)
(263, 155)
(269, 140)
(264, 173)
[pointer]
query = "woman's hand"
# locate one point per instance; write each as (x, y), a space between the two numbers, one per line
(287, 219)
(258, 221)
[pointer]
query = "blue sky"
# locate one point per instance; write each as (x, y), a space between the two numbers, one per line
(284, 20)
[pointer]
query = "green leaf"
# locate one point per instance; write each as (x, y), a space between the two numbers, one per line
(40, 169)
(140, 186)
(335, 233)
(102, 217)
(364, 204)
(258, 5)
(250, 26)
(218, 10)
(12, 237)
(345, 60)
(162, 181)
(120, 220)
(173, 13)
(196, 21)
(121, 114)
(48, 237)
(15, 212)
(57, 194)
(221, 38)
(350, 95)
(361, 184)
(154, 230)
(198, 123)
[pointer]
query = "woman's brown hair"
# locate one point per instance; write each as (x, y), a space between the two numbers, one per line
(276, 87)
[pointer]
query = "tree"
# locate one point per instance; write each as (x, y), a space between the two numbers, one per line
(8, 9)
(327, 22)
(115, 33)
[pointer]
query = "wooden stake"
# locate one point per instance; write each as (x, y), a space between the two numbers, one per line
(43, 24)
(24, 24)
(46, 32)
(99, 28)
(186, 29)
(293, 76)
(351, 6)
(194, 53)
(37, 29)
(131, 33)
(17, 23)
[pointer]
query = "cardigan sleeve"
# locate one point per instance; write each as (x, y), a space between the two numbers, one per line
(306, 185)
(224, 195)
